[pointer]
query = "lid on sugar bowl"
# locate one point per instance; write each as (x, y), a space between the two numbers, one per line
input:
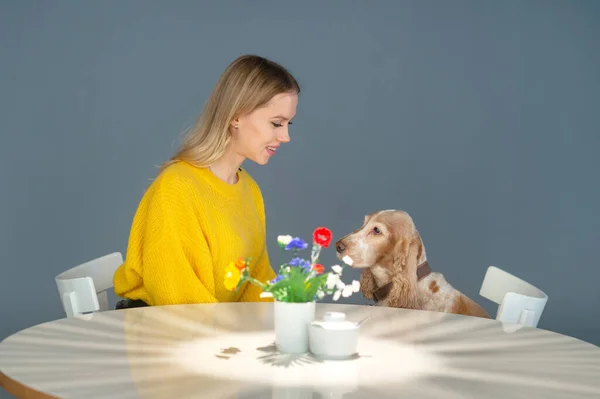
(335, 321)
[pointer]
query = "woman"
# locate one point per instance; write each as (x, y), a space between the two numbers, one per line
(204, 211)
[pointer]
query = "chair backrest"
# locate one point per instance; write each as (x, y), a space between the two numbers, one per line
(82, 289)
(520, 302)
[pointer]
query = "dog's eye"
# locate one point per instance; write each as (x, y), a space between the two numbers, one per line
(376, 230)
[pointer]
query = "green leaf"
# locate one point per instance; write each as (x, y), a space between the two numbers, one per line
(314, 284)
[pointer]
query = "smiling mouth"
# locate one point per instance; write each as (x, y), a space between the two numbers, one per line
(271, 150)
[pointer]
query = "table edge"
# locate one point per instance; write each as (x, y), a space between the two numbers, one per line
(20, 390)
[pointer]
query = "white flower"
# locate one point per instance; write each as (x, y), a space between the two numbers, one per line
(287, 269)
(355, 285)
(347, 260)
(340, 285)
(332, 280)
(347, 291)
(336, 296)
(336, 269)
(284, 240)
(320, 294)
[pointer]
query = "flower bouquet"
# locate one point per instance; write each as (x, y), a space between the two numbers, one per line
(298, 285)
(299, 280)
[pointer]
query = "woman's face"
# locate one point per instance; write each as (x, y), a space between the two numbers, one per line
(259, 134)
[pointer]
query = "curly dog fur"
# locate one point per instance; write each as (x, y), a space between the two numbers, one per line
(389, 250)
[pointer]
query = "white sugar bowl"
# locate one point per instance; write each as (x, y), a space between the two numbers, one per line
(334, 337)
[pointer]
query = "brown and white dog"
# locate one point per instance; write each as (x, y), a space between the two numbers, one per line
(395, 272)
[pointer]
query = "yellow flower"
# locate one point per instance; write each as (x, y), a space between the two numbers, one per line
(232, 277)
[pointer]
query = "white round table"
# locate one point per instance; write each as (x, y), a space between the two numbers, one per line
(227, 351)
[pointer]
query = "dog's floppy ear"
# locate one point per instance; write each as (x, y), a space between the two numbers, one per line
(367, 284)
(409, 248)
(419, 244)
(404, 294)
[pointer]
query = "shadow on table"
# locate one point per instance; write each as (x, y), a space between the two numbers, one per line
(274, 358)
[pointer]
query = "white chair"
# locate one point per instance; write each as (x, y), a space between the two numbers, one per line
(82, 289)
(520, 302)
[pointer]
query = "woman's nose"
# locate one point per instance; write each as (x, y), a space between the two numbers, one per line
(284, 136)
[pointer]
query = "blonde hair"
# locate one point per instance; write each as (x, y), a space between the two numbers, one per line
(248, 83)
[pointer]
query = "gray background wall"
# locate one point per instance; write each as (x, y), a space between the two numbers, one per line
(479, 118)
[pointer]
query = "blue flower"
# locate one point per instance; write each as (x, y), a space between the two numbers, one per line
(296, 243)
(276, 279)
(301, 263)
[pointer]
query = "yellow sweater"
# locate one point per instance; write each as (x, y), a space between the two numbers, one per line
(188, 227)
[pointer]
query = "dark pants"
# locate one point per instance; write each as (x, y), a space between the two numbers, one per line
(130, 303)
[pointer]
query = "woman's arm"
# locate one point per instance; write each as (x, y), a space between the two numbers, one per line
(262, 272)
(168, 252)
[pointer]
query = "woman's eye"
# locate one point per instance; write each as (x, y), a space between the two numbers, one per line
(376, 230)
(276, 124)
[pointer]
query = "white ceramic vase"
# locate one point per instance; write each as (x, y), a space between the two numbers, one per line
(291, 321)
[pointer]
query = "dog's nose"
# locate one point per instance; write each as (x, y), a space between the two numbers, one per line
(340, 246)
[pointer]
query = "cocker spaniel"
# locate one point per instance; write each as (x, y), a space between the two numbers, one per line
(395, 271)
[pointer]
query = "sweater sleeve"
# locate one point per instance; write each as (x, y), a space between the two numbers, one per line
(176, 264)
(263, 272)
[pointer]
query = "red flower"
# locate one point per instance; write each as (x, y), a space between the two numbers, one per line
(322, 236)
(240, 264)
(318, 268)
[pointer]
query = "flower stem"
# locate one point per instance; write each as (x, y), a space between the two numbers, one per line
(256, 282)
